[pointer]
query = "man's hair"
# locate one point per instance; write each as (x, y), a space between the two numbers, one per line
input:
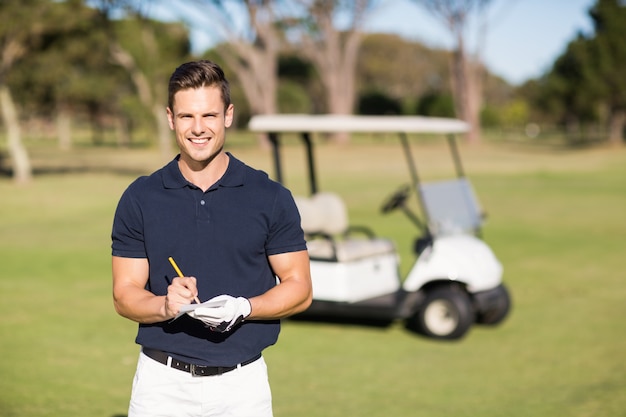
(198, 74)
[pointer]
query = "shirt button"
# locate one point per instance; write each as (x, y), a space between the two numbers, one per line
(202, 202)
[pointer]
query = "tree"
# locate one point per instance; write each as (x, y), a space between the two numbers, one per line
(333, 52)
(309, 27)
(572, 84)
(608, 60)
(586, 82)
(254, 57)
(149, 51)
(68, 73)
(23, 25)
(250, 49)
(466, 68)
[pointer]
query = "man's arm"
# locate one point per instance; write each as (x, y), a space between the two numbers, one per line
(292, 295)
(134, 302)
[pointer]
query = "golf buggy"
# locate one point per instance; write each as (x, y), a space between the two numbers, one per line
(456, 280)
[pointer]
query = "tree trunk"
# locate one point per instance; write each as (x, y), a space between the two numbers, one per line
(256, 69)
(122, 130)
(474, 102)
(163, 131)
(22, 171)
(146, 96)
(466, 85)
(617, 124)
(334, 54)
(466, 69)
(335, 58)
(64, 129)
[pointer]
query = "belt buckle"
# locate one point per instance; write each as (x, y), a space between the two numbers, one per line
(192, 370)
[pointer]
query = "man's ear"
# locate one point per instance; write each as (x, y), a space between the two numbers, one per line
(170, 118)
(228, 116)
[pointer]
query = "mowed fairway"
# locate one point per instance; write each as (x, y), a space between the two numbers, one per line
(556, 220)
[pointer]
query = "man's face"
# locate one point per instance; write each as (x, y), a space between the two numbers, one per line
(199, 122)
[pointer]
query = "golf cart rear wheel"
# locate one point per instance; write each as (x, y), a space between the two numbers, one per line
(446, 313)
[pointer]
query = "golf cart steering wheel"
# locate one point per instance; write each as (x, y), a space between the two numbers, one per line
(397, 199)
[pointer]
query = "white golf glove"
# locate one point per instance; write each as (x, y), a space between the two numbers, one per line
(223, 312)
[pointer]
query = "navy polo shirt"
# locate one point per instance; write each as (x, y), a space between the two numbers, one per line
(222, 237)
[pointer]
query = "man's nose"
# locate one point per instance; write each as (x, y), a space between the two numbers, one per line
(198, 127)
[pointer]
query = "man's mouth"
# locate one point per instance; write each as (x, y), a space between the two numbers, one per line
(199, 141)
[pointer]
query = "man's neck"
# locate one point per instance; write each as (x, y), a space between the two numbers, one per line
(204, 175)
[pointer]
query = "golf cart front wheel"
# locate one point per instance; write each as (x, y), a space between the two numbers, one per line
(496, 308)
(446, 313)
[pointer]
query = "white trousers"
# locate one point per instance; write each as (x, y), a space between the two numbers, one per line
(159, 390)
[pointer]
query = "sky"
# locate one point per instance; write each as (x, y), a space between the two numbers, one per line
(521, 38)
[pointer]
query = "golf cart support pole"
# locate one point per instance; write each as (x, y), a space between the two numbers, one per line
(455, 156)
(278, 167)
(409, 159)
(306, 138)
(416, 181)
(275, 142)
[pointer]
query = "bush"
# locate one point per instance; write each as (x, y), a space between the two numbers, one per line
(436, 104)
(377, 103)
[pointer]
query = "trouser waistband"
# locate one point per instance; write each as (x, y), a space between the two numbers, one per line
(195, 370)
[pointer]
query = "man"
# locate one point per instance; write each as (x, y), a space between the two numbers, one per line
(232, 232)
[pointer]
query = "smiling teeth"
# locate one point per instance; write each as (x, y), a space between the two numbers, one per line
(199, 141)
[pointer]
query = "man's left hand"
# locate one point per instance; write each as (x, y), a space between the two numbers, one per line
(225, 317)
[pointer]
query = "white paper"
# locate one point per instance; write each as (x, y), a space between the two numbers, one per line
(207, 304)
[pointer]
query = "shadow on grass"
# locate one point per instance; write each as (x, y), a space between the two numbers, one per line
(6, 172)
(351, 321)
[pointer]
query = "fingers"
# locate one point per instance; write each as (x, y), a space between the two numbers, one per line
(224, 317)
(184, 287)
(182, 291)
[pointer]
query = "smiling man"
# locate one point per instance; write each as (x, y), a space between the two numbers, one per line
(232, 232)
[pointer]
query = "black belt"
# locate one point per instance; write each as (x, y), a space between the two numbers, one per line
(195, 370)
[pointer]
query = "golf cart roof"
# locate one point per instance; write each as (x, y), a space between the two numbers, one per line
(348, 123)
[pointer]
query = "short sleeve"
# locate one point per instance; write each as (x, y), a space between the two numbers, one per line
(286, 233)
(127, 235)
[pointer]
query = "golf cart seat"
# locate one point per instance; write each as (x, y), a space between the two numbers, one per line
(329, 234)
(451, 207)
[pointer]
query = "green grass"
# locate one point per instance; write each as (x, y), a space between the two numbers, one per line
(556, 221)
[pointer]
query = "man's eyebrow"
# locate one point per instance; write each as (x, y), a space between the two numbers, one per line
(208, 113)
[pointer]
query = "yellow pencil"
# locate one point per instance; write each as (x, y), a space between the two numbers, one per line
(180, 274)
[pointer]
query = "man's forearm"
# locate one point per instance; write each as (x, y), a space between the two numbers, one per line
(141, 306)
(284, 300)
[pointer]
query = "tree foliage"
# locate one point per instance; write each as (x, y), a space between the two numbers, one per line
(586, 83)
(78, 77)
(24, 27)
(148, 51)
(608, 53)
(401, 69)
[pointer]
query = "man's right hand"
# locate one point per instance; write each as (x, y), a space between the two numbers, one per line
(181, 292)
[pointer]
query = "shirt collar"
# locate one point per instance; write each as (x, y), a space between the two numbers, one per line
(233, 177)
